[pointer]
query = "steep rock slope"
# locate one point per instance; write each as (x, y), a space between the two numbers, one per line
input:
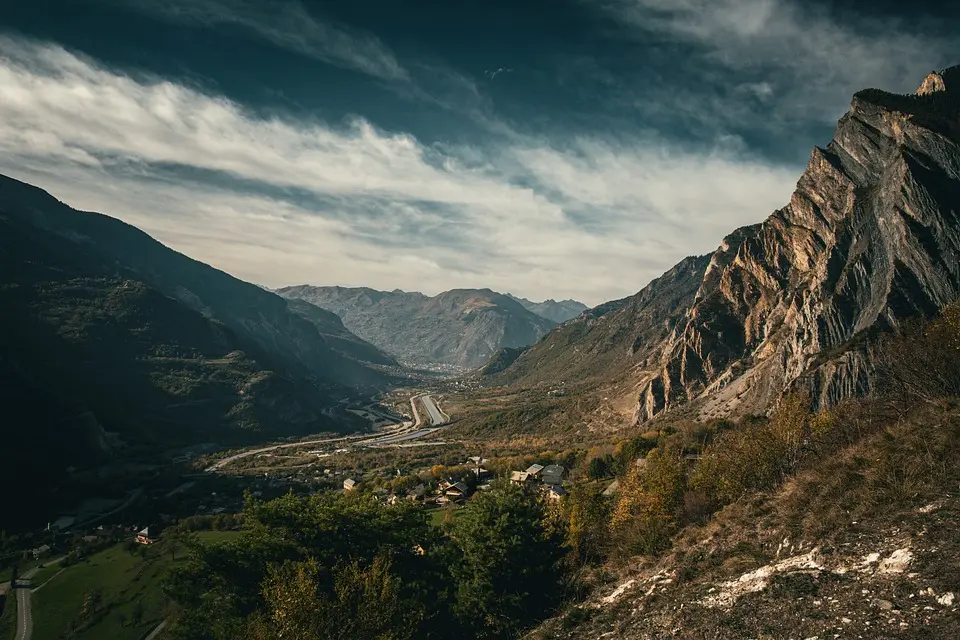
(460, 328)
(551, 309)
(871, 236)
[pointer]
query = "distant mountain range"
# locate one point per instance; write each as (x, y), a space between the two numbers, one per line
(870, 238)
(461, 328)
(558, 312)
(108, 336)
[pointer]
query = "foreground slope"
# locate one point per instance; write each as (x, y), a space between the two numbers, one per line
(871, 237)
(862, 543)
(461, 328)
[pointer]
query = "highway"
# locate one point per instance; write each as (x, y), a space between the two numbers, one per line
(392, 435)
(436, 417)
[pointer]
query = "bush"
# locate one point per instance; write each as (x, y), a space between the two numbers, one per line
(758, 455)
(645, 515)
(922, 362)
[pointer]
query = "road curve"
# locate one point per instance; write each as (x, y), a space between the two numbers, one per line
(405, 432)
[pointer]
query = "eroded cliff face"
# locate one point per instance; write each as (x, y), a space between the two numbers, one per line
(870, 237)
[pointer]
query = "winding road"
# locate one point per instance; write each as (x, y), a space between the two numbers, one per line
(402, 433)
(24, 604)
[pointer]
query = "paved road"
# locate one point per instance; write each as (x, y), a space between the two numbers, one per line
(156, 631)
(436, 418)
(243, 454)
(394, 434)
(24, 614)
(24, 608)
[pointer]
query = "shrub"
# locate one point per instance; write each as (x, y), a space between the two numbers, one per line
(922, 361)
(645, 515)
(758, 455)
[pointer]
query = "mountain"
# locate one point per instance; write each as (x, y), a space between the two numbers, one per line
(460, 328)
(558, 312)
(871, 237)
(107, 337)
(337, 336)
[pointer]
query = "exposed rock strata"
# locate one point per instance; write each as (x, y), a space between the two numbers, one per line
(871, 236)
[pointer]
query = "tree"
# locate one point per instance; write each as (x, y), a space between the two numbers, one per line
(650, 497)
(758, 455)
(586, 512)
(508, 573)
(600, 467)
(361, 602)
(922, 361)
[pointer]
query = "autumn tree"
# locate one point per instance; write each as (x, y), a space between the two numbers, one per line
(650, 497)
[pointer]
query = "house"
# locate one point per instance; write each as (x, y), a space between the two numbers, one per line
(534, 471)
(146, 536)
(457, 491)
(555, 492)
(444, 485)
(519, 477)
(417, 492)
(481, 473)
(349, 484)
(553, 474)
(40, 551)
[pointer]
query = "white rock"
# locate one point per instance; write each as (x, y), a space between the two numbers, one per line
(896, 562)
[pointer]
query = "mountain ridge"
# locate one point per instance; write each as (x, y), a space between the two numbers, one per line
(871, 237)
(461, 328)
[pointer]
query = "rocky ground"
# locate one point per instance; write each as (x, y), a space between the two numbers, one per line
(858, 547)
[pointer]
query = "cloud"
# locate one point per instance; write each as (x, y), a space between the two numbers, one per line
(282, 200)
(286, 24)
(799, 61)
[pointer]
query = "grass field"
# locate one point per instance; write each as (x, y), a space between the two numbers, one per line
(437, 516)
(44, 574)
(122, 579)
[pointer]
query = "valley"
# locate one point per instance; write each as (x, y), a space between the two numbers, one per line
(763, 441)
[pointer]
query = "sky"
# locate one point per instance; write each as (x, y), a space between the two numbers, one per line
(549, 148)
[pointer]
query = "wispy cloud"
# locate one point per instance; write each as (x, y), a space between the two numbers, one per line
(783, 61)
(282, 201)
(286, 24)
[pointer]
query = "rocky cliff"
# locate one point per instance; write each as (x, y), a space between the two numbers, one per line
(871, 236)
(461, 328)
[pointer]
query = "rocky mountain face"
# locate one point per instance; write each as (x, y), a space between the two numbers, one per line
(558, 312)
(461, 328)
(871, 237)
